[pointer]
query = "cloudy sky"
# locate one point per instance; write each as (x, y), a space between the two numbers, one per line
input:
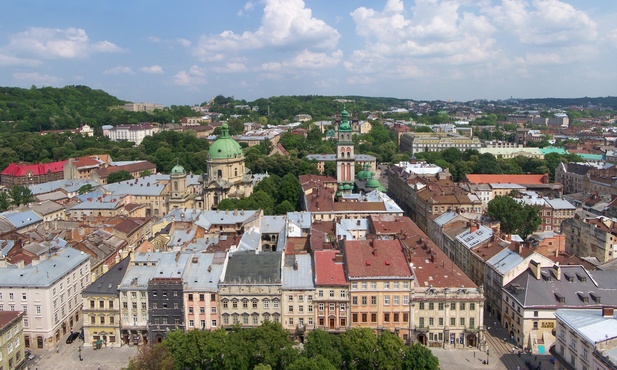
(188, 51)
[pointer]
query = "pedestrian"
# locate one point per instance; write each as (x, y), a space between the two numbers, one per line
(474, 354)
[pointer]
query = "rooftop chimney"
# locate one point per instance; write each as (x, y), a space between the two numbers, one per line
(536, 269)
(608, 312)
(557, 271)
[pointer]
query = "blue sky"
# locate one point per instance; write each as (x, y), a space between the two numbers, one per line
(186, 52)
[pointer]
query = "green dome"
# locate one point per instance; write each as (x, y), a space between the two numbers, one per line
(225, 147)
(178, 170)
(344, 126)
(373, 183)
(330, 133)
(365, 173)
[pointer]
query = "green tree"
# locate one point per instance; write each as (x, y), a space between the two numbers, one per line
(5, 201)
(320, 342)
(418, 357)
(145, 173)
(283, 208)
(20, 194)
(318, 362)
(119, 176)
(515, 217)
(152, 357)
(358, 348)
(85, 189)
(390, 351)
(290, 189)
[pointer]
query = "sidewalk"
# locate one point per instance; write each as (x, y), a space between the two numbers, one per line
(67, 357)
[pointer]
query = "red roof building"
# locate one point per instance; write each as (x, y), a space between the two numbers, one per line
(507, 179)
(31, 174)
(331, 301)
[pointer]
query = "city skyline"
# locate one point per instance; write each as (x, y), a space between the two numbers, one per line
(189, 52)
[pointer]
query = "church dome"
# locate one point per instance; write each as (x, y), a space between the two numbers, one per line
(365, 174)
(373, 183)
(178, 170)
(225, 147)
(344, 126)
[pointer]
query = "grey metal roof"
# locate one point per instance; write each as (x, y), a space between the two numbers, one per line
(543, 292)
(137, 277)
(209, 218)
(69, 186)
(253, 268)
(251, 240)
(300, 219)
(46, 272)
(560, 204)
(46, 207)
(273, 224)
(22, 219)
(202, 273)
(108, 282)
(471, 239)
(589, 323)
(105, 203)
(172, 265)
(300, 277)
(143, 186)
(445, 218)
(181, 237)
(505, 261)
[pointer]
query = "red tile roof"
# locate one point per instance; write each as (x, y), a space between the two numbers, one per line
(507, 179)
(7, 316)
(327, 271)
(21, 169)
(375, 258)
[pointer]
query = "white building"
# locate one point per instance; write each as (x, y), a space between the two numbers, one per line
(48, 292)
(586, 339)
(134, 133)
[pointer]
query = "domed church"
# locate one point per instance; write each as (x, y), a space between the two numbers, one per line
(226, 177)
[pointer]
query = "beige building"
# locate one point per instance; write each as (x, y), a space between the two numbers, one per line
(298, 290)
(380, 285)
(101, 307)
(591, 237)
(12, 344)
(416, 142)
(250, 289)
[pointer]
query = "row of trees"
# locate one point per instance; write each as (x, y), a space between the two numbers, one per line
(14, 197)
(274, 195)
(270, 347)
(461, 163)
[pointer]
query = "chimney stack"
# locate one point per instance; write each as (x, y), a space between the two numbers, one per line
(557, 271)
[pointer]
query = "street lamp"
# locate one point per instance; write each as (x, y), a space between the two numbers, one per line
(487, 354)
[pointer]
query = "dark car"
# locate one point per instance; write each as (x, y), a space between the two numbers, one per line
(72, 337)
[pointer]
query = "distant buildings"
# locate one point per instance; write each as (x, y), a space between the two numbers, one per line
(142, 107)
(129, 132)
(30, 174)
(414, 142)
(591, 237)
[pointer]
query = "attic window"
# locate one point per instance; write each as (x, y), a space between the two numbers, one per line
(569, 277)
(581, 277)
(560, 298)
(583, 297)
(595, 297)
(546, 276)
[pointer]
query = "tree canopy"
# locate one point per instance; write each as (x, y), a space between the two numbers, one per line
(269, 347)
(515, 217)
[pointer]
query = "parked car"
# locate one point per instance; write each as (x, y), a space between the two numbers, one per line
(72, 337)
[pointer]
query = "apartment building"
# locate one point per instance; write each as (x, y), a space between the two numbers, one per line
(415, 142)
(331, 301)
(12, 344)
(298, 290)
(201, 291)
(250, 289)
(129, 132)
(380, 285)
(101, 307)
(591, 237)
(586, 339)
(47, 291)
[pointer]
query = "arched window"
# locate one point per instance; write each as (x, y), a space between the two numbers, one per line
(220, 173)
(236, 171)
(176, 185)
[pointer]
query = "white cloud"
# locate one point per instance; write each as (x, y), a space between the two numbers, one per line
(155, 69)
(285, 25)
(177, 41)
(544, 22)
(231, 68)
(50, 43)
(247, 8)
(36, 78)
(193, 77)
(10, 60)
(119, 70)
(303, 62)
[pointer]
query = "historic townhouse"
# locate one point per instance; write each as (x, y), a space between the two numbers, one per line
(101, 307)
(380, 284)
(250, 288)
(331, 299)
(12, 344)
(47, 291)
(591, 237)
(201, 291)
(297, 294)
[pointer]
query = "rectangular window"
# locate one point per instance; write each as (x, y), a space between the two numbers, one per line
(421, 305)
(191, 323)
(353, 286)
(472, 306)
(373, 300)
(421, 322)
(364, 300)
(343, 294)
(441, 306)
(291, 308)
(290, 298)
(396, 302)
(364, 317)
(190, 299)
(202, 297)
(386, 317)
(462, 305)
(331, 293)
(462, 320)
(373, 317)
(453, 306)
(354, 301)
(395, 317)
(441, 321)
(405, 317)
(364, 286)
(452, 321)
(472, 322)
(354, 318)
(406, 300)
(386, 285)
(431, 321)
(373, 285)
(431, 306)
(386, 300)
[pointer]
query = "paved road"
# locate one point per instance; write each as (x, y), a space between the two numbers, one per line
(67, 357)
(500, 354)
